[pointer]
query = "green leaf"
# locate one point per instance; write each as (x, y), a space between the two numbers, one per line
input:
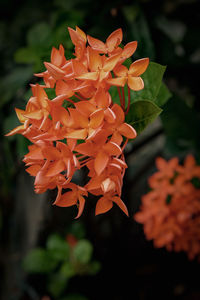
(58, 247)
(181, 124)
(14, 83)
(39, 261)
(139, 30)
(163, 95)
(77, 229)
(154, 89)
(39, 35)
(57, 284)
(152, 83)
(67, 270)
(83, 251)
(142, 113)
(26, 55)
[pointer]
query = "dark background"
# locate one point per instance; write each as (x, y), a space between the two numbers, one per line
(131, 268)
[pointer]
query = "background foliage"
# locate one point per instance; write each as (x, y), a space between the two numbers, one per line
(168, 33)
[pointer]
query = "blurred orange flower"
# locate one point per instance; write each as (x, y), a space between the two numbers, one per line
(170, 212)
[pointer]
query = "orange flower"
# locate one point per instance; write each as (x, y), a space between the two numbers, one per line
(81, 127)
(170, 212)
(131, 76)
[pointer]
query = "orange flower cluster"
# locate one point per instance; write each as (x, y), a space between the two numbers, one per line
(81, 126)
(170, 212)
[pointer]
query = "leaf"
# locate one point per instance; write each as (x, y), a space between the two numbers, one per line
(26, 55)
(163, 95)
(83, 251)
(57, 284)
(39, 261)
(77, 229)
(67, 270)
(154, 89)
(58, 247)
(15, 81)
(39, 35)
(139, 29)
(142, 113)
(181, 124)
(152, 82)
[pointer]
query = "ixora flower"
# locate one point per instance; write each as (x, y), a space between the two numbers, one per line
(170, 212)
(82, 126)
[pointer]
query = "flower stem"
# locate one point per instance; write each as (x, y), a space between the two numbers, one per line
(129, 101)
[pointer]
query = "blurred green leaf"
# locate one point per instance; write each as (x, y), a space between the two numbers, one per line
(94, 267)
(26, 55)
(139, 29)
(67, 269)
(77, 229)
(40, 35)
(57, 284)
(58, 247)
(181, 124)
(142, 113)
(175, 30)
(83, 251)
(39, 261)
(12, 83)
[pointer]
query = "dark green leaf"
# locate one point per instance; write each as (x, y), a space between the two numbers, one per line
(58, 247)
(83, 251)
(39, 35)
(67, 269)
(57, 284)
(163, 95)
(39, 261)
(142, 113)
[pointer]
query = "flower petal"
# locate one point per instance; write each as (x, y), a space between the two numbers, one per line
(119, 81)
(138, 67)
(111, 62)
(100, 162)
(67, 199)
(96, 118)
(97, 44)
(129, 49)
(89, 76)
(54, 71)
(103, 205)
(127, 131)
(81, 204)
(112, 148)
(121, 204)
(135, 83)
(79, 134)
(55, 168)
(114, 39)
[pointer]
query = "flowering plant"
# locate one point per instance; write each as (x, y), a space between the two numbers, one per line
(83, 125)
(170, 212)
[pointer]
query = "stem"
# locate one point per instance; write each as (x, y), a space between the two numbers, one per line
(83, 163)
(123, 100)
(129, 101)
(124, 145)
(120, 96)
(79, 97)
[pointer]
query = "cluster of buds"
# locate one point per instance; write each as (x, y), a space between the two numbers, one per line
(170, 212)
(82, 126)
